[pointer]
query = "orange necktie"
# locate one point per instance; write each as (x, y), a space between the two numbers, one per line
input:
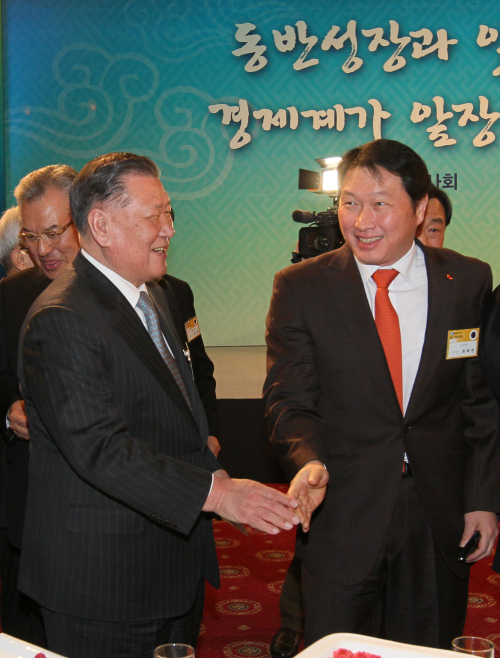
(387, 323)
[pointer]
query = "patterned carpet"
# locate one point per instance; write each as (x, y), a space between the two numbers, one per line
(243, 615)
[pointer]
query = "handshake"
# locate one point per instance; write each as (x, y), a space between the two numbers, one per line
(246, 501)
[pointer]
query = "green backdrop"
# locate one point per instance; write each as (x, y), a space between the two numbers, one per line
(86, 78)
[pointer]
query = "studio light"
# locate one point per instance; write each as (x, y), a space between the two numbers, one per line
(324, 182)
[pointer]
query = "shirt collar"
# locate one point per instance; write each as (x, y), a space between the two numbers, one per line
(406, 266)
(128, 290)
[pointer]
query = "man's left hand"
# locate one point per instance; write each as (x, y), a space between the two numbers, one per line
(213, 445)
(486, 523)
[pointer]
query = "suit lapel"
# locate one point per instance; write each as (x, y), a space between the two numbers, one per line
(441, 301)
(172, 337)
(346, 286)
(163, 301)
(125, 321)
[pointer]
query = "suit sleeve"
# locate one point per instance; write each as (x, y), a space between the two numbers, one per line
(9, 384)
(65, 377)
(490, 341)
(291, 389)
(481, 414)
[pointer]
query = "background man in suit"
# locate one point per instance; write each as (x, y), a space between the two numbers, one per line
(117, 550)
(359, 389)
(436, 219)
(43, 199)
(13, 255)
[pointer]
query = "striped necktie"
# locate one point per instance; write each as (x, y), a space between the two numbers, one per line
(154, 329)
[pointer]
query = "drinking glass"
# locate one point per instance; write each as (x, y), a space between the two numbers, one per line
(174, 651)
(474, 645)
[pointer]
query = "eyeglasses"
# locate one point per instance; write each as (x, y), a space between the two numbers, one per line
(52, 237)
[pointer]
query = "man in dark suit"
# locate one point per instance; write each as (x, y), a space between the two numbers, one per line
(115, 547)
(43, 196)
(43, 199)
(286, 641)
(364, 388)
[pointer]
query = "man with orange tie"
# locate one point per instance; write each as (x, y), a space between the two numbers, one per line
(375, 389)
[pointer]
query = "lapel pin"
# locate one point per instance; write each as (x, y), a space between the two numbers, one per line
(449, 277)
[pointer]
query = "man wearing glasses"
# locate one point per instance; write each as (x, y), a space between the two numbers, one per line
(52, 240)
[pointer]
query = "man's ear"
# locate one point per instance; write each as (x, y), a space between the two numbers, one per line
(99, 224)
(421, 208)
(21, 259)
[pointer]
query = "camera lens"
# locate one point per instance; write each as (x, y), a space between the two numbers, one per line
(318, 241)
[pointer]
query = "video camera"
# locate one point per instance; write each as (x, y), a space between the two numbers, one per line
(323, 233)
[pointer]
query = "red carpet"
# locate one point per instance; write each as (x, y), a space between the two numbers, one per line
(243, 615)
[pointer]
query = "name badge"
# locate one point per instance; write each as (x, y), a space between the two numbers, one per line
(462, 343)
(192, 329)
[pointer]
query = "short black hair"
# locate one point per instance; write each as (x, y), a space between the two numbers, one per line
(444, 200)
(102, 180)
(397, 158)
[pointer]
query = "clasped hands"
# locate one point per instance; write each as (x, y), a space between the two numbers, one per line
(266, 509)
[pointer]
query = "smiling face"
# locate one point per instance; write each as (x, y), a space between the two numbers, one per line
(377, 217)
(431, 231)
(139, 232)
(50, 213)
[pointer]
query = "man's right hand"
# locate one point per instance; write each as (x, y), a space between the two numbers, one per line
(246, 501)
(18, 420)
(308, 487)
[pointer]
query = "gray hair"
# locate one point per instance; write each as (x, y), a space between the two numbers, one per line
(35, 184)
(10, 224)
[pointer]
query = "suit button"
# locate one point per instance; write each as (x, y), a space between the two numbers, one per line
(406, 429)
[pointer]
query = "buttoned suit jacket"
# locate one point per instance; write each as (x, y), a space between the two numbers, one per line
(329, 396)
(17, 293)
(119, 468)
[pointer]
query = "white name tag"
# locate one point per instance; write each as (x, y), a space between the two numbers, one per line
(462, 343)
(192, 329)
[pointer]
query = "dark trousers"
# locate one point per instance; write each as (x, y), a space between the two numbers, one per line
(291, 607)
(75, 637)
(20, 615)
(411, 595)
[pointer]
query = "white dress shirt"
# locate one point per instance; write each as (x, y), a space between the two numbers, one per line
(128, 290)
(409, 296)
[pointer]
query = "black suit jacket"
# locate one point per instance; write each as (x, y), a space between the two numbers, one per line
(330, 396)
(180, 299)
(119, 468)
(17, 293)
